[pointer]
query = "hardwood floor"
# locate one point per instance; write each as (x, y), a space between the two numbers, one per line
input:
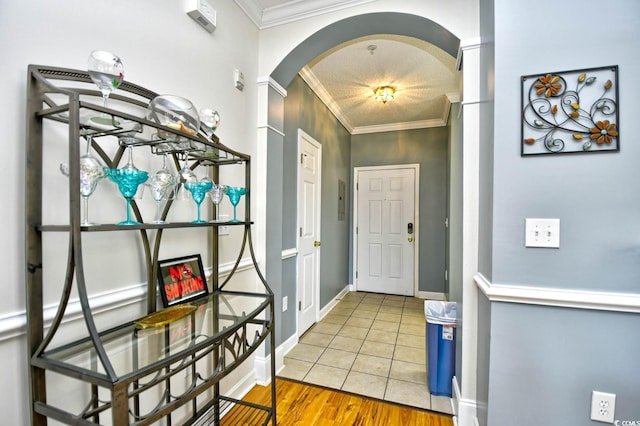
(302, 404)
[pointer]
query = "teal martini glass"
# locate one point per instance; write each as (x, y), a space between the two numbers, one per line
(198, 192)
(235, 193)
(128, 179)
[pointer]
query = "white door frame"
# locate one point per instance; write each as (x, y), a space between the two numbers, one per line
(316, 291)
(416, 224)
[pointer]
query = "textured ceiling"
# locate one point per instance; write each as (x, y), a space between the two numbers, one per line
(425, 77)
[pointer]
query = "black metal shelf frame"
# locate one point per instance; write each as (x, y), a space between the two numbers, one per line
(229, 338)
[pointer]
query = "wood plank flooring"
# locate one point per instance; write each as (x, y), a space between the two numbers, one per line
(308, 405)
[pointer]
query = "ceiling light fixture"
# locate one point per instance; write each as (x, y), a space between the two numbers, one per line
(384, 94)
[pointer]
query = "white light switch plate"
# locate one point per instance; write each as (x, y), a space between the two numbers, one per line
(542, 233)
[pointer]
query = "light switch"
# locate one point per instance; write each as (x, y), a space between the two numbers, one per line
(542, 233)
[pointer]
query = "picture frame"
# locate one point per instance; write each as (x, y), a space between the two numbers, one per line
(570, 112)
(181, 279)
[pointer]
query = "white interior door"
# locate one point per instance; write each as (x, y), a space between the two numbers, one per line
(386, 229)
(309, 178)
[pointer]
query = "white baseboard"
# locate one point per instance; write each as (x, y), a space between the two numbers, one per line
(332, 304)
(431, 295)
(263, 363)
(465, 410)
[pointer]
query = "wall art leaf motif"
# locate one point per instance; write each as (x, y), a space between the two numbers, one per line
(570, 112)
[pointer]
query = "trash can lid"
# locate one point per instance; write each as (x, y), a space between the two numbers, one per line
(440, 312)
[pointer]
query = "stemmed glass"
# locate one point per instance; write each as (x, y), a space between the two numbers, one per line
(160, 185)
(235, 193)
(106, 71)
(217, 194)
(198, 192)
(186, 175)
(128, 178)
(91, 172)
(211, 119)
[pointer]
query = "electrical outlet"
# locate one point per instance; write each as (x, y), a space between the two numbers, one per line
(285, 302)
(603, 406)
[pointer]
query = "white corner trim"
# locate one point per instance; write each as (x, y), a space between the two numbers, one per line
(318, 88)
(466, 412)
(392, 127)
(579, 299)
(296, 10)
(268, 81)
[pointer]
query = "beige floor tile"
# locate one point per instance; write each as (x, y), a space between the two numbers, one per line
(316, 339)
(393, 303)
(373, 300)
(295, 369)
(386, 309)
(326, 328)
(411, 340)
(347, 304)
(416, 330)
(355, 332)
(408, 354)
(441, 404)
(385, 326)
(372, 365)
(368, 307)
(324, 375)
(382, 336)
(337, 358)
(342, 311)
(332, 318)
(359, 322)
(408, 393)
(363, 313)
(365, 384)
(388, 317)
(354, 295)
(409, 372)
(410, 319)
(383, 350)
(346, 344)
(394, 298)
(304, 352)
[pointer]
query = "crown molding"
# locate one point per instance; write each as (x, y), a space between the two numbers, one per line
(394, 127)
(292, 11)
(312, 81)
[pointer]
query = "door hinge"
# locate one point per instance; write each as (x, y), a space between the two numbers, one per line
(446, 275)
(356, 230)
(446, 222)
(301, 232)
(300, 305)
(301, 158)
(356, 274)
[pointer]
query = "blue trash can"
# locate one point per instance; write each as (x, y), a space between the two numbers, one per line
(441, 346)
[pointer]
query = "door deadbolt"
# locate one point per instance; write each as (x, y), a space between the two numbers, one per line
(316, 243)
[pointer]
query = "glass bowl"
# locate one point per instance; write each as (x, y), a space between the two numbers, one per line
(174, 112)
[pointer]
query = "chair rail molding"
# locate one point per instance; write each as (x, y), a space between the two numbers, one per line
(549, 296)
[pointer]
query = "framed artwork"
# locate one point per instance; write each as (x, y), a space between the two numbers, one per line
(181, 279)
(570, 112)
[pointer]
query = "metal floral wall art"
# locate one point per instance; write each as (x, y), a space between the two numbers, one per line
(571, 111)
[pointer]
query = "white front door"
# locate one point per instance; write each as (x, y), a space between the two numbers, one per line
(386, 229)
(308, 288)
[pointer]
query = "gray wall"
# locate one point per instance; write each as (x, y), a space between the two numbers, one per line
(553, 357)
(429, 148)
(304, 110)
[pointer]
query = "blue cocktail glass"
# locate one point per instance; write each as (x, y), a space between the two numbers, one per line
(235, 193)
(198, 192)
(128, 180)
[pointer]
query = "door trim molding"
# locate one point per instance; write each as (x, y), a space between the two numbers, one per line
(416, 207)
(308, 138)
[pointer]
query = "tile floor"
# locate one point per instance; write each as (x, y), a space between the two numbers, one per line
(372, 345)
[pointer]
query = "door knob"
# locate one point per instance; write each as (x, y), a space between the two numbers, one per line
(410, 239)
(316, 243)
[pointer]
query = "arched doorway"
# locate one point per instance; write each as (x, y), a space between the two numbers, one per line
(271, 138)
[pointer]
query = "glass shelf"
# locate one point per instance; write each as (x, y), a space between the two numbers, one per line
(139, 351)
